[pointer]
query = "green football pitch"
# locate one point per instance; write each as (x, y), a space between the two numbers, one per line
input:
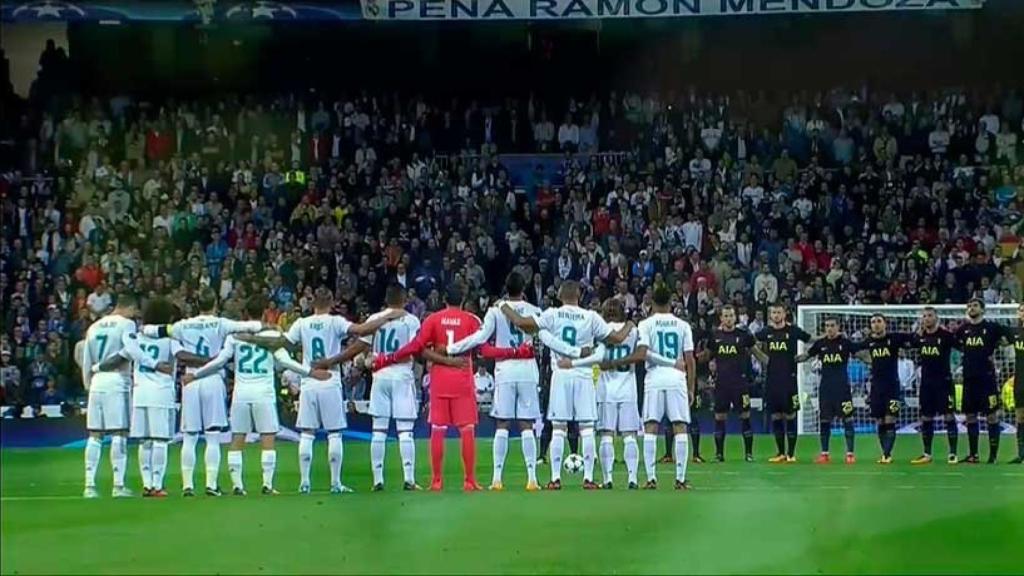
(741, 518)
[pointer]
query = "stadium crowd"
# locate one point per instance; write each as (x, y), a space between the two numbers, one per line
(846, 196)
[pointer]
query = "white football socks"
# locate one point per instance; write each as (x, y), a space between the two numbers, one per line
(529, 446)
(407, 450)
(305, 457)
(145, 463)
(650, 455)
(557, 451)
(631, 453)
(377, 447)
(588, 445)
(682, 454)
(268, 460)
(335, 457)
(188, 459)
(158, 464)
(118, 459)
(607, 452)
(212, 458)
(93, 450)
(235, 468)
(500, 449)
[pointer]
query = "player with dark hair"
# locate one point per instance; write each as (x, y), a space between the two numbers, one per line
(730, 348)
(204, 401)
(979, 338)
(254, 395)
(516, 394)
(617, 409)
(835, 399)
(936, 394)
(778, 342)
(452, 394)
(573, 396)
(884, 349)
(321, 402)
(110, 391)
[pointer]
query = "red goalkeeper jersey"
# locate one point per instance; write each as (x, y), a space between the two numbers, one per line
(438, 330)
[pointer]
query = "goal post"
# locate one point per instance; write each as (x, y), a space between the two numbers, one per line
(853, 322)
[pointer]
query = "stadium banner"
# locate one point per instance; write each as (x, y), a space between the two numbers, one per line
(265, 11)
(498, 10)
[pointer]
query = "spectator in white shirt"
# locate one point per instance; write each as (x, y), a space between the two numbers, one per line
(766, 282)
(700, 167)
(568, 135)
(938, 140)
(1006, 145)
(990, 121)
(711, 136)
(365, 158)
(99, 300)
(753, 192)
(693, 232)
(544, 133)
(484, 384)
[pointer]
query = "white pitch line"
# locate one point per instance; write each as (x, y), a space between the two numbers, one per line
(31, 498)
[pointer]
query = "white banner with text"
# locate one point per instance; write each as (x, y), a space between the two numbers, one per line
(584, 9)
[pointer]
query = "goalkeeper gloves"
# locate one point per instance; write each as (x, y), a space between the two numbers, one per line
(381, 361)
(522, 352)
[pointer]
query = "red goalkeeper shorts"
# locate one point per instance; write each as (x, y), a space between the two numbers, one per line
(454, 411)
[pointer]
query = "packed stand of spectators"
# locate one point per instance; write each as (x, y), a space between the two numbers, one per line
(849, 196)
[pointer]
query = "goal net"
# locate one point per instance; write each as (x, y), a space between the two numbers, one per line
(853, 322)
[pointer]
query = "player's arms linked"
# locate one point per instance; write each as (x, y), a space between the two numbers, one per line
(351, 351)
(270, 343)
(690, 363)
(758, 351)
(190, 359)
(562, 347)
(437, 358)
(367, 328)
(621, 334)
(284, 361)
(111, 364)
(597, 357)
(526, 323)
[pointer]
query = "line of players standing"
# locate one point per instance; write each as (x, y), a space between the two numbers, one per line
(204, 345)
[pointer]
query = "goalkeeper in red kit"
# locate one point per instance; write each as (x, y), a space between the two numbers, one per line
(452, 393)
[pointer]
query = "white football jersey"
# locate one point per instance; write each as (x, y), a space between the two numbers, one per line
(619, 384)
(154, 389)
(506, 335)
(204, 334)
(254, 367)
(321, 336)
(389, 338)
(576, 327)
(104, 340)
(671, 337)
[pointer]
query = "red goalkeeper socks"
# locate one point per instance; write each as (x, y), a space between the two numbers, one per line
(468, 435)
(437, 434)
